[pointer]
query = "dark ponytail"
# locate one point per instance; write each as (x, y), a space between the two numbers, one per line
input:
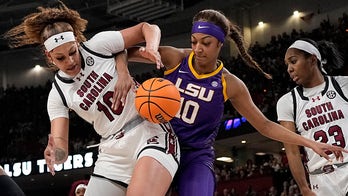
(331, 58)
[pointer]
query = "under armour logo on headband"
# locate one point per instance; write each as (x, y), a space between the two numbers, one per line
(57, 38)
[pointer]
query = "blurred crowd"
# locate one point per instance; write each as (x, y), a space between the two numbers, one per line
(24, 122)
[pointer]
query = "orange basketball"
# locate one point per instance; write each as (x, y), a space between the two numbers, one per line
(157, 100)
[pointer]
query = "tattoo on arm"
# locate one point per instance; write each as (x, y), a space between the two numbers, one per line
(60, 154)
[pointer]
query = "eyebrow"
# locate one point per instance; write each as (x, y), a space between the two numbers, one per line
(69, 50)
(207, 36)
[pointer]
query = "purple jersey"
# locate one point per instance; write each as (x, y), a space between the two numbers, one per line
(202, 104)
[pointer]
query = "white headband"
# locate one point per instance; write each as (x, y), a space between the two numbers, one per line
(56, 40)
(80, 186)
(306, 46)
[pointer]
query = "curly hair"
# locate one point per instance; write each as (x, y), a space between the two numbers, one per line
(231, 30)
(37, 27)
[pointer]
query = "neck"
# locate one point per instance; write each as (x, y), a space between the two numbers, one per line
(205, 68)
(315, 81)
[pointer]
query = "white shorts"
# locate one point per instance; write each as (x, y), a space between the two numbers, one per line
(333, 183)
(118, 156)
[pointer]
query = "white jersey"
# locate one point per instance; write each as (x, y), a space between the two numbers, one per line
(126, 137)
(320, 114)
(90, 92)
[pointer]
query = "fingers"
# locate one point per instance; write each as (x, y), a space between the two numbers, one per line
(336, 150)
(115, 100)
(124, 83)
(50, 160)
(339, 154)
(51, 168)
(323, 154)
(152, 55)
(50, 154)
(159, 64)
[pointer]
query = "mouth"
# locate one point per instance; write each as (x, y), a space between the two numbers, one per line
(294, 78)
(72, 68)
(199, 57)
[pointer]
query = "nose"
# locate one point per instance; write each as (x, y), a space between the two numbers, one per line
(290, 68)
(70, 60)
(199, 48)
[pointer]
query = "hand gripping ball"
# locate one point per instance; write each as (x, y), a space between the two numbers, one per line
(157, 100)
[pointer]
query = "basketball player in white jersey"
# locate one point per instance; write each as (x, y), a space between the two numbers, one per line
(135, 156)
(317, 109)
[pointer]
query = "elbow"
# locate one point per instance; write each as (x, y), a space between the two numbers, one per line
(152, 27)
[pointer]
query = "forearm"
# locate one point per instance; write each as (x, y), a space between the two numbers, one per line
(60, 139)
(61, 148)
(122, 62)
(277, 132)
(296, 167)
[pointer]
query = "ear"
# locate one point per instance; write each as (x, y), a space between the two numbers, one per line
(314, 60)
(48, 55)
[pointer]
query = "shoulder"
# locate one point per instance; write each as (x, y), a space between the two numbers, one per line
(285, 108)
(54, 96)
(342, 80)
(234, 85)
(230, 78)
(285, 99)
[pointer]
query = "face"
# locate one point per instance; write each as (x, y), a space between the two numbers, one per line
(300, 68)
(80, 192)
(67, 58)
(206, 49)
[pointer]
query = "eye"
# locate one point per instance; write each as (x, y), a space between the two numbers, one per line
(206, 43)
(60, 58)
(293, 61)
(72, 53)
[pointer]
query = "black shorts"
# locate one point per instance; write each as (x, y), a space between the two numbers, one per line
(8, 187)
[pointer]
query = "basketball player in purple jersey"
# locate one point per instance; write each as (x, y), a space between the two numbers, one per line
(205, 85)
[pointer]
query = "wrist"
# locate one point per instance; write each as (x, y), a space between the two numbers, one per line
(305, 188)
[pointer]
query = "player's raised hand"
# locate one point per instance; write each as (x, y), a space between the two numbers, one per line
(152, 55)
(49, 154)
(321, 149)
